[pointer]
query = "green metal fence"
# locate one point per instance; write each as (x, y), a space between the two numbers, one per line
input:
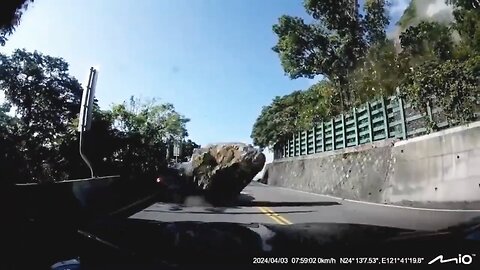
(374, 121)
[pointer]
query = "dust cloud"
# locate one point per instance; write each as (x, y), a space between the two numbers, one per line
(425, 10)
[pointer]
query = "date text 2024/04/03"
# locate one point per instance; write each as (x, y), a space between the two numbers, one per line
(344, 260)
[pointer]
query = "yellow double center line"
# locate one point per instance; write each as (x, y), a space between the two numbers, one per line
(270, 213)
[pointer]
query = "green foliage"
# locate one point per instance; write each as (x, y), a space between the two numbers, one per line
(45, 96)
(442, 72)
(304, 49)
(294, 112)
(408, 17)
(277, 120)
(426, 41)
(158, 122)
(465, 4)
(451, 85)
(376, 21)
(317, 103)
(40, 143)
(5, 119)
(379, 74)
(10, 13)
(333, 44)
(467, 23)
(187, 150)
(46, 99)
(437, 64)
(10, 157)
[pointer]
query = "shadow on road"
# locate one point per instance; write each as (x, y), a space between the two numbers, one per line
(243, 200)
(247, 200)
(215, 211)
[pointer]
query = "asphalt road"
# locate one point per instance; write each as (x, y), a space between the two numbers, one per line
(260, 203)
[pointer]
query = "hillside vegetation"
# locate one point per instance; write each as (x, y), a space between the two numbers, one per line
(434, 59)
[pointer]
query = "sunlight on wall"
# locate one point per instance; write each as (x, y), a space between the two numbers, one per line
(268, 159)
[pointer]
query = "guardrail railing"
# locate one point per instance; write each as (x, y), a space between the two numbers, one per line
(374, 121)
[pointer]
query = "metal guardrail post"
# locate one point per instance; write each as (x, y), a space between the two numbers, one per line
(323, 136)
(333, 133)
(287, 150)
(299, 135)
(355, 123)
(343, 132)
(306, 143)
(290, 147)
(369, 122)
(402, 116)
(294, 145)
(385, 118)
(300, 139)
(429, 112)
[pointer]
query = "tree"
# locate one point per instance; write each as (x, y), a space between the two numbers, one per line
(10, 157)
(40, 141)
(46, 99)
(465, 4)
(378, 75)
(426, 41)
(159, 122)
(438, 64)
(188, 147)
(376, 21)
(278, 120)
(317, 103)
(467, 24)
(10, 13)
(333, 44)
(409, 16)
(451, 85)
(45, 96)
(442, 64)
(149, 129)
(5, 119)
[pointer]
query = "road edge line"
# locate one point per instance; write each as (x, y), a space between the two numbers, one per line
(378, 204)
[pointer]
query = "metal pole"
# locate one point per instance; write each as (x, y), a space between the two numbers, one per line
(84, 117)
(356, 126)
(83, 155)
(370, 128)
(402, 116)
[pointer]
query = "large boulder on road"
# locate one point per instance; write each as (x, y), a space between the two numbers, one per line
(223, 170)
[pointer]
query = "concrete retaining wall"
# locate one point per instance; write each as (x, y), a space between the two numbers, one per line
(440, 170)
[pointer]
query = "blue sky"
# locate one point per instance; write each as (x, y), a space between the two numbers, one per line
(211, 58)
